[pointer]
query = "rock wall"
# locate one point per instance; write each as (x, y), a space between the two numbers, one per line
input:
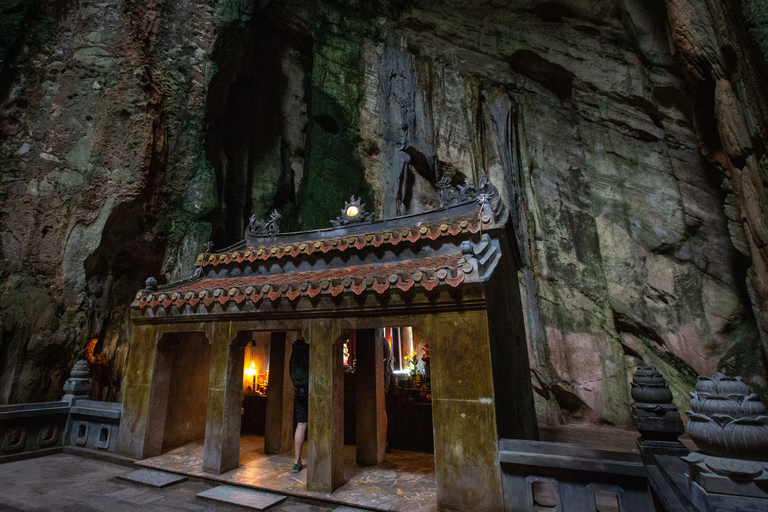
(628, 138)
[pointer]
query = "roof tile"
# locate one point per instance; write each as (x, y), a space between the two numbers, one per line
(426, 272)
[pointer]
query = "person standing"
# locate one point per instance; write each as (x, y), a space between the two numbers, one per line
(298, 367)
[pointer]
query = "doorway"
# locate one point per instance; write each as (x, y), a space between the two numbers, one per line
(404, 379)
(179, 402)
(409, 400)
(267, 422)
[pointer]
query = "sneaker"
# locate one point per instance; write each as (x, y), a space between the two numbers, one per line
(297, 467)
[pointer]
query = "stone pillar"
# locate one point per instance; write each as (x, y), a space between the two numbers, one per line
(467, 468)
(515, 412)
(225, 397)
(655, 416)
(325, 443)
(278, 431)
(158, 398)
(371, 421)
(138, 382)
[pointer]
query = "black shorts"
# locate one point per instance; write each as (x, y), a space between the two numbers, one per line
(301, 408)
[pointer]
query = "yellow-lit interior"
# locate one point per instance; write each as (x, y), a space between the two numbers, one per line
(256, 363)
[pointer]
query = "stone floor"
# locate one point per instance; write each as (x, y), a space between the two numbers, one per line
(404, 482)
(68, 483)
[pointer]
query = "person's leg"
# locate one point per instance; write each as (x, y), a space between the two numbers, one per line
(302, 416)
(298, 441)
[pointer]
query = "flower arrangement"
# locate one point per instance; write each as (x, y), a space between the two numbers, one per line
(413, 363)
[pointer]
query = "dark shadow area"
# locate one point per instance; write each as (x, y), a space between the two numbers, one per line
(245, 125)
(180, 389)
(188, 393)
(551, 76)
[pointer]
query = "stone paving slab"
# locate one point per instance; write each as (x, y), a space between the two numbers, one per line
(152, 478)
(242, 497)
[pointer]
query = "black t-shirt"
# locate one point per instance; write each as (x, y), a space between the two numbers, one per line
(298, 367)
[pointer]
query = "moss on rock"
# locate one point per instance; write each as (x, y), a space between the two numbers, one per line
(333, 169)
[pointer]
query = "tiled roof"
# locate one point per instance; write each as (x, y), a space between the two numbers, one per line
(404, 275)
(432, 231)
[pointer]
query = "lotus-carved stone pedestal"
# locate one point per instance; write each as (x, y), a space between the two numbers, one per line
(728, 423)
(654, 415)
(727, 419)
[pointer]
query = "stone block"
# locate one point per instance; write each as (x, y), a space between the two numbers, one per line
(152, 478)
(242, 497)
(735, 477)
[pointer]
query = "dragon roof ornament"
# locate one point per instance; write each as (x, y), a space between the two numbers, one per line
(258, 227)
(484, 192)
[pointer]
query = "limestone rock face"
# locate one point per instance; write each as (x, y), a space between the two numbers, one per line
(626, 137)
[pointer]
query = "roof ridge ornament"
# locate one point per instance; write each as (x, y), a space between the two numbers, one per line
(484, 192)
(257, 227)
(352, 213)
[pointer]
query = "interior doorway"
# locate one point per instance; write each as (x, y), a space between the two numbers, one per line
(404, 359)
(255, 383)
(409, 400)
(179, 402)
(267, 423)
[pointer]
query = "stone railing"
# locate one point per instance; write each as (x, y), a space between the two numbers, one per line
(37, 429)
(32, 429)
(562, 477)
(75, 424)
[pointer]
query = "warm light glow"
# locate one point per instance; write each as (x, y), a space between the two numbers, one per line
(252, 370)
(352, 211)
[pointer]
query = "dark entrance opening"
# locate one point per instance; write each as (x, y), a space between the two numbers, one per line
(403, 356)
(180, 391)
(267, 424)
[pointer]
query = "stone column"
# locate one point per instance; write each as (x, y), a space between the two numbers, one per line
(278, 431)
(225, 396)
(158, 397)
(515, 412)
(138, 382)
(467, 467)
(371, 421)
(325, 461)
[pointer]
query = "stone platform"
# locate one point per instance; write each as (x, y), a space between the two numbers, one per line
(404, 482)
(600, 437)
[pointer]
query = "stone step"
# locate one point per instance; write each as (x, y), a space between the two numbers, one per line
(152, 478)
(243, 497)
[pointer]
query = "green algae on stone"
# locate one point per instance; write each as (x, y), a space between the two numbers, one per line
(201, 198)
(756, 20)
(333, 167)
(232, 11)
(744, 358)
(334, 170)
